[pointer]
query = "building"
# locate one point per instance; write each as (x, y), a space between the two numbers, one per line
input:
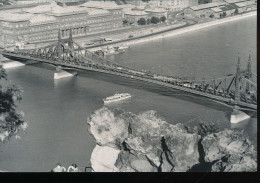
(18, 2)
(173, 5)
(42, 23)
(157, 12)
(202, 10)
(134, 15)
(220, 9)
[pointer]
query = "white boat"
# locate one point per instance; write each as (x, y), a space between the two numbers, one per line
(117, 97)
(123, 47)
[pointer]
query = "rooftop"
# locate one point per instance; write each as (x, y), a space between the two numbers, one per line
(205, 6)
(136, 13)
(243, 4)
(46, 13)
(234, 1)
(101, 4)
(156, 10)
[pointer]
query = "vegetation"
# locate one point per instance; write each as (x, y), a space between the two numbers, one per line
(155, 20)
(205, 128)
(148, 21)
(163, 19)
(11, 122)
(141, 21)
(224, 14)
(211, 16)
(125, 22)
(236, 11)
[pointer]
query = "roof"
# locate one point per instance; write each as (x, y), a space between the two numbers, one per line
(243, 4)
(121, 2)
(16, 17)
(234, 1)
(216, 9)
(228, 7)
(54, 9)
(42, 19)
(156, 10)
(205, 6)
(101, 4)
(136, 13)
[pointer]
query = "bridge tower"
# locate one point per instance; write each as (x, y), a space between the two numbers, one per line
(70, 42)
(249, 73)
(237, 83)
(59, 45)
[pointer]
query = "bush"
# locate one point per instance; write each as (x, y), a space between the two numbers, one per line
(163, 18)
(155, 20)
(10, 121)
(207, 128)
(148, 21)
(141, 21)
(125, 21)
(211, 16)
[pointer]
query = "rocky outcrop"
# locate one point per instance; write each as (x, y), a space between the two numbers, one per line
(147, 143)
(103, 159)
(230, 151)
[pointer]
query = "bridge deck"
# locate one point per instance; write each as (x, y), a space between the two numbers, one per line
(132, 76)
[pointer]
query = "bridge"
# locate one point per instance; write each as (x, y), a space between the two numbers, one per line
(238, 89)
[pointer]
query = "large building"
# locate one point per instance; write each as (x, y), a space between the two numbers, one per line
(173, 5)
(42, 23)
(220, 9)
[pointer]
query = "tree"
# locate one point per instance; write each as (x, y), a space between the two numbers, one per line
(163, 18)
(211, 16)
(148, 21)
(11, 122)
(224, 14)
(125, 21)
(141, 21)
(236, 11)
(155, 20)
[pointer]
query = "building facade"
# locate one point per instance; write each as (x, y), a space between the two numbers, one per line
(173, 5)
(220, 9)
(42, 23)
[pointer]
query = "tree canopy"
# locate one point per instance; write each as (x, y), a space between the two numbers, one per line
(155, 20)
(141, 21)
(11, 122)
(163, 19)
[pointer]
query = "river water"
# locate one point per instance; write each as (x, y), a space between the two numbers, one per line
(57, 111)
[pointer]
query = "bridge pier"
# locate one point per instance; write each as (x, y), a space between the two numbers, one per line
(59, 73)
(237, 115)
(8, 64)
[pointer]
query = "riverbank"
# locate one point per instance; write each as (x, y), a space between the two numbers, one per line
(176, 31)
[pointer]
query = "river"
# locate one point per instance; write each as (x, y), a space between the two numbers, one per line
(57, 111)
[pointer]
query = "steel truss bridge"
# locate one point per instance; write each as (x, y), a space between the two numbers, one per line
(238, 89)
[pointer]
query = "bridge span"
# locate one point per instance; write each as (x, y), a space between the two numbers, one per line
(235, 89)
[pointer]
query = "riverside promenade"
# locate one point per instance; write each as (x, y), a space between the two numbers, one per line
(178, 30)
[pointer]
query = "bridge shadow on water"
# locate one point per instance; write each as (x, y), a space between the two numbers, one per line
(150, 87)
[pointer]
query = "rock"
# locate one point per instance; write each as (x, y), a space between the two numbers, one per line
(183, 148)
(231, 151)
(103, 159)
(147, 143)
(128, 162)
(142, 166)
(108, 128)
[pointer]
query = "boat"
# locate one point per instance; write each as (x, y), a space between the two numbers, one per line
(117, 97)
(123, 47)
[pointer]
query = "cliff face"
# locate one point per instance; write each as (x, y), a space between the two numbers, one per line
(146, 143)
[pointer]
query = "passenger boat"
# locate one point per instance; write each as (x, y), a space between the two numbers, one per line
(117, 97)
